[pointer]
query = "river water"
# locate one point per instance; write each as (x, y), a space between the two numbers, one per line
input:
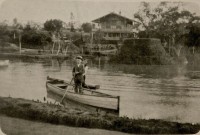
(160, 92)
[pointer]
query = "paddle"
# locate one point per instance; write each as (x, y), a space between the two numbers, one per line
(66, 90)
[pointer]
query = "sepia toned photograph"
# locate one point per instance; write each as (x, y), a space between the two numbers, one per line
(99, 67)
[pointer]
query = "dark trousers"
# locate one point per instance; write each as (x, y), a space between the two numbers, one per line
(78, 86)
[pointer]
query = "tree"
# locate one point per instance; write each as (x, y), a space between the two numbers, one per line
(32, 36)
(16, 24)
(27, 27)
(87, 27)
(5, 32)
(72, 29)
(18, 29)
(164, 21)
(192, 38)
(98, 37)
(53, 25)
(36, 37)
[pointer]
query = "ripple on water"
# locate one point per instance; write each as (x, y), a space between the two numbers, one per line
(164, 95)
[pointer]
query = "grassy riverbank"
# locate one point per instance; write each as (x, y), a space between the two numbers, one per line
(16, 126)
(55, 114)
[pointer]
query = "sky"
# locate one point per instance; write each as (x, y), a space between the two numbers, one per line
(83, 10)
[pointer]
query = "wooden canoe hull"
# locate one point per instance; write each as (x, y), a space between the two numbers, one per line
(104, 102)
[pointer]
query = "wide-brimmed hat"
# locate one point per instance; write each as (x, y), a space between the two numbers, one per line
(79, 57)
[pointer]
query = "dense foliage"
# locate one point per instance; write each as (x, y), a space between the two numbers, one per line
(5, 34)
(87, 27)
(36, 38)
(29, 35)
(53, 25)
(142, 51)
(193, 36)
(166, 21)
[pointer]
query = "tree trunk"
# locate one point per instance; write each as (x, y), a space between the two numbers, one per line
(53, 48)
(20, 45)
(66, 49)
(193, 49)
(171, 42)
(169, 46)
(58, 48)
(178, 50)
(91, 38)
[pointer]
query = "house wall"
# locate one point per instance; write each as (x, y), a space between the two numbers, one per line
(113, 28)
(114, 22)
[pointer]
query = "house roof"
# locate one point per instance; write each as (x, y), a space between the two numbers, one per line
(98, 20)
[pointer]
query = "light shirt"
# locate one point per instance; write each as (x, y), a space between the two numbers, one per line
(86, 69)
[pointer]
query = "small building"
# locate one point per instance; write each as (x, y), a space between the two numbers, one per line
(113, 27)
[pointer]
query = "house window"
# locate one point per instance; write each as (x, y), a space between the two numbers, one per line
(93, 26)
(113, 27)
(113, 22)
(119, 27)
(105, 35)
(110, 34)
(107, 26)
(119, 23)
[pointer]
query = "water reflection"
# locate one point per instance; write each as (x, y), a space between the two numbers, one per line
(162, 92)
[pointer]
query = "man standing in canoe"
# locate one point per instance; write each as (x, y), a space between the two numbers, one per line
(78, 71)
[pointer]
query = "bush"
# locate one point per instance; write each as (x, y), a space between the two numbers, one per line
(5, 34)
(53, 25)
(35, 38)
(87, 27)
(142, 51)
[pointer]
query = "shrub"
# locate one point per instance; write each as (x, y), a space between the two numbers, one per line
(142, 51)
(35, 38)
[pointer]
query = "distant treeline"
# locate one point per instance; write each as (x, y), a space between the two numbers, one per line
(168, 21)
(33, 35)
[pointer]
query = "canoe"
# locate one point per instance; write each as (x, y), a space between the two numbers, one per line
(4, 62)
(99, 101)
